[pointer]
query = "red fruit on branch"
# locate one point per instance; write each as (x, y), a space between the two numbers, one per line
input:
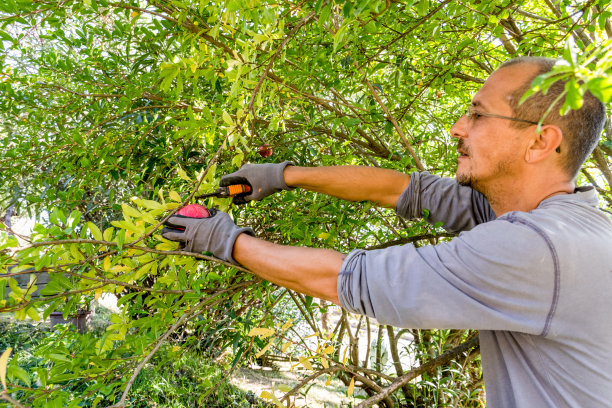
(194, 211)
(265, 150)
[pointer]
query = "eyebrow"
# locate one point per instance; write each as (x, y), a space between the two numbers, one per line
(478, 104)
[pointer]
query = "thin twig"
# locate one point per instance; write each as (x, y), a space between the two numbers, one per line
(5, 396)
(391, 118)
(412, 374)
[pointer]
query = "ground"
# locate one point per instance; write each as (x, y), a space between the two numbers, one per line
(314, 395)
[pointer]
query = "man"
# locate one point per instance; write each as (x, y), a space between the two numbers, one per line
(532, 269)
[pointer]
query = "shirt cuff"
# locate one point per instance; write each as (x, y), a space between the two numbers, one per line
(352, 286)
(409, 203)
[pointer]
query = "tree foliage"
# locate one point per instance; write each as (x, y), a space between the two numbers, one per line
(114, 113)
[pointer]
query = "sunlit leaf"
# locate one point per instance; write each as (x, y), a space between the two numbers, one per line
(351, 387)
(3, 364)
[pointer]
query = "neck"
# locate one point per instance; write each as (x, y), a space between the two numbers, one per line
(523, 196)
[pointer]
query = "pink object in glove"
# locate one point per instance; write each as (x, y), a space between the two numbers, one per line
(194, 211)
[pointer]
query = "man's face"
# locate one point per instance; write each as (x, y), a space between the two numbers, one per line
(491, 149)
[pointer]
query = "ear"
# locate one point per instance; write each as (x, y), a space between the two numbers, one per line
(543, 144)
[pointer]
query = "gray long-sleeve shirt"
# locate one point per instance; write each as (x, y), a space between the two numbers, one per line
(537, 285)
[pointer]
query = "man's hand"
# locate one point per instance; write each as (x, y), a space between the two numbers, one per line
(216, 234)
(264, 179)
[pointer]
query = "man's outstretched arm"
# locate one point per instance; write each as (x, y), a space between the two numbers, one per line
(312, 271)
(352, 183)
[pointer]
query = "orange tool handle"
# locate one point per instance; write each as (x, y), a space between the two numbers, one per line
(236, 189)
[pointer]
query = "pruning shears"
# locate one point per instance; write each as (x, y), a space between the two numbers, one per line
(228, 191)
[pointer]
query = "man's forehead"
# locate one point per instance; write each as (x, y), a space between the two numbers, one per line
(497, 91)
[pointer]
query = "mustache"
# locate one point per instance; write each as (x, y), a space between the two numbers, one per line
(461, 146)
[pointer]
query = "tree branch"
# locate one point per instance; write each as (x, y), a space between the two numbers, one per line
(412, 374)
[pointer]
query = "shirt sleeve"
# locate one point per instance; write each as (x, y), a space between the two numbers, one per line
(459, 208)
(498, 276)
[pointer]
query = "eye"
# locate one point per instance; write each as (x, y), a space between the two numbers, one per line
(472, 114)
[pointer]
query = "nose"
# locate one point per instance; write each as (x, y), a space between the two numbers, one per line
(459, 129)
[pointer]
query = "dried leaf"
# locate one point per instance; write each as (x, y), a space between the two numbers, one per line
(3, 364)
(351, 387)
(261, 332)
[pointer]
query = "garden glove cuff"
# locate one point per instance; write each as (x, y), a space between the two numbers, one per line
(264, 179)
(216, 234)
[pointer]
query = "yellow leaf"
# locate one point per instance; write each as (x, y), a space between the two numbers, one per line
(108, 234)
(3, 364)
(142, 270)
(261, 332)
(304, 361)
(263, 350)
(328, 382)
(285, 346)
(284, 387)
(182, 174)
(324, 362)
(33, 314)
(176, 348)
(95, 231)
(323, 235)
(351, 387)
(20, 314)
(167, 246)
(174, 196)
(107, 263)
(328, 350)
(344, 356)
(97, 293)
(151, 204)
(265, 395)
(287, 325)
(130, 211)
(228, 119)
(74, 251)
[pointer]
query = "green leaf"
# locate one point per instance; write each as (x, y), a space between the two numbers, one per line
(325, 13)
(120, 239)
(228, 119)
(339, 36)
(574, 96)
(95, 231)
(151, 205)
(14, 285)
(33, 314)
(108, 234)
(14, 371)
(143, 270)
(182, 174)
(130, 211)
(601, 88)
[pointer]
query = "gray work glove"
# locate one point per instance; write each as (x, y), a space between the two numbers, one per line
(216, 234)
(264, 179)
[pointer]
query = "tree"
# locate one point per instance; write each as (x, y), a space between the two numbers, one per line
(116, 113)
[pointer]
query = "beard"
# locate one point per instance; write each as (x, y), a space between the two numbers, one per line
(464, 179)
